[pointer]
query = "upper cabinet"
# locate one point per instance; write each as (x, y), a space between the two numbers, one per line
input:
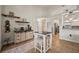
(71, 20)
(75, 23)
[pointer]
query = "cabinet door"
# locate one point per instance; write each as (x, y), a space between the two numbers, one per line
(31, 35)
(66, 34)
(28, 35)
(23, 36)
(17, 37)
(75, 36)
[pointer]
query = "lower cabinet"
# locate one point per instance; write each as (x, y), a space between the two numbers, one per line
(29, 35)
(70, 35)
(19, 37)
(66, 34)
(23, 36)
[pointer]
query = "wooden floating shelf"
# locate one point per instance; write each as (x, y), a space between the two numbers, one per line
(10, 16)
(21, 22)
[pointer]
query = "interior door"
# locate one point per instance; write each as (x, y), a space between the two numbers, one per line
(56, 28)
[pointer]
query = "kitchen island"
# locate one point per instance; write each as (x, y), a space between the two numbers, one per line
(42, 41)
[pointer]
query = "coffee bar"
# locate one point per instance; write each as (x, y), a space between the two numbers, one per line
(16, 29)
(23, 33)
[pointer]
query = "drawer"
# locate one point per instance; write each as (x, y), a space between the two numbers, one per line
(31, 35)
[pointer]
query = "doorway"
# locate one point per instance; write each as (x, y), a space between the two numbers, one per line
(56, 28)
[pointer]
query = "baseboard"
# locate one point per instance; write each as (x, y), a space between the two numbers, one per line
(71, 40)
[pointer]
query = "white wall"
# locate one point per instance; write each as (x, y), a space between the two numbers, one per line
(31, 13)
(0, 27)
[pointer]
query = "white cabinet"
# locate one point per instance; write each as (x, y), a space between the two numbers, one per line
(29, 35)
(69, 29)
(75, 36)
(22, 36)
(66, 34)
(26, 35)
(17, 37)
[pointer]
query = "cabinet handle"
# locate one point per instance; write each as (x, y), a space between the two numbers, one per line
(17, 39)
